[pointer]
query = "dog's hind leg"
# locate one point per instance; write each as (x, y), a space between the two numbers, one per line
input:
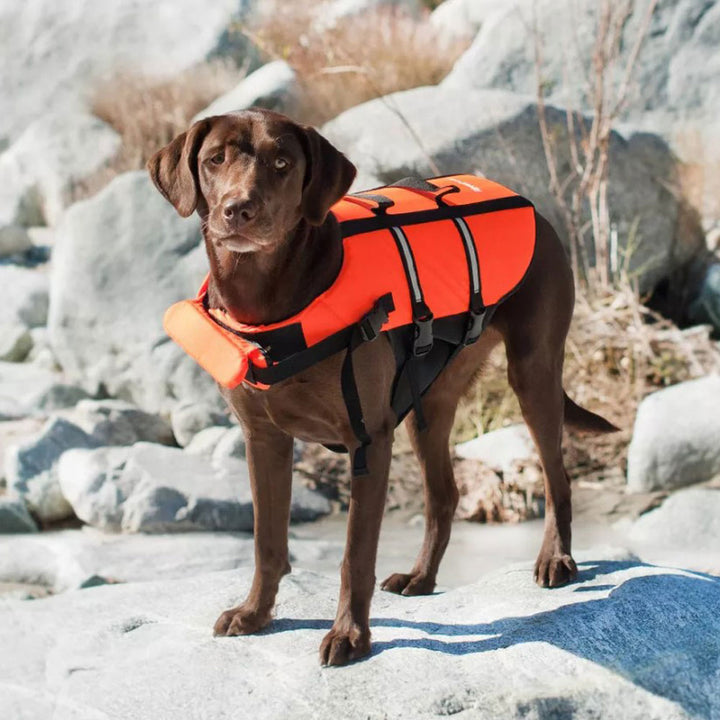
(534, 323)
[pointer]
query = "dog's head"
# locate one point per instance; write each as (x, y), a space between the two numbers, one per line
(252, 176)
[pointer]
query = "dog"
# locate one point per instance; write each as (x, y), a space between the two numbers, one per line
(263, 186)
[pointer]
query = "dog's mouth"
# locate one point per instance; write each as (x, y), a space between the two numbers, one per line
(238, 243)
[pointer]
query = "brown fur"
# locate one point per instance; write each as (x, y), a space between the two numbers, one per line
(263, 187)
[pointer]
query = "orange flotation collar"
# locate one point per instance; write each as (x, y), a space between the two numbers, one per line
(428, 260)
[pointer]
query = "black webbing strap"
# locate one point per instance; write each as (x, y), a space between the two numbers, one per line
(422, 318)
(383, 202)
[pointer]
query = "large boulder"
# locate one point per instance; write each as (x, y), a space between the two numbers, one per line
(462, 18)
(499, 449)
(121, 259)
(495, 133)
(684, 531)
(273, 86)
(631, 641)
(30, 468)
(674, 91)
(42, 169)
(675, 438)
(153, 489)
(55, 55)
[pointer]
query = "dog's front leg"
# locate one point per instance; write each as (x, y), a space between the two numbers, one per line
(349, 638)
(269, 454)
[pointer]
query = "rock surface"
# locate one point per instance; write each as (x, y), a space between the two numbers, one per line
(189, 419)
(116, 422)
(65, 559)
(674, 91)
(30, 468)
(21, 386)
(675, 438)
(273, 86)
(499, 449)
(153, 489)
(27, 304)
(43, 167)
(499, 648)
(55, 55)
(684, 531)
(462, 18)
(107, 299)
(14, 517)
(495, 133)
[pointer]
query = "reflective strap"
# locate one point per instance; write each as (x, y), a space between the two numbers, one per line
(476, 303)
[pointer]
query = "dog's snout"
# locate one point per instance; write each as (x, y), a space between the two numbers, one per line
(239, 210)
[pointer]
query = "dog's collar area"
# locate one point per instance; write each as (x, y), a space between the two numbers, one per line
(406, 248)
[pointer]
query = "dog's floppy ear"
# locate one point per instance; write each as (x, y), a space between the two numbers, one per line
(328, 176)
(174, 168)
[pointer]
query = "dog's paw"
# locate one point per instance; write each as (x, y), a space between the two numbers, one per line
(554, 570)
(240, 621)
(345, 644)
(408, 584)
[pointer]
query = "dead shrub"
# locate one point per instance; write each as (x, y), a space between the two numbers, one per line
(149, 112)
(360, 58)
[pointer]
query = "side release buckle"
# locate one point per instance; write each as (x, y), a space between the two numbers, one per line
(474, 327)
(423, 341)
(372, 323)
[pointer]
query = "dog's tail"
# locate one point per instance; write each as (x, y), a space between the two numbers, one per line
(578, 418)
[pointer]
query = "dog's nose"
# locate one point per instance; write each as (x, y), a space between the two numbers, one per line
(239, 209)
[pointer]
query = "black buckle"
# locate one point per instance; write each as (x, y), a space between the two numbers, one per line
(423, 342)
(371, 324)
(474, 327)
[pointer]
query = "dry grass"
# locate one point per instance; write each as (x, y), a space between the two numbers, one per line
(358, 59)
(618, 351)
(149, 112)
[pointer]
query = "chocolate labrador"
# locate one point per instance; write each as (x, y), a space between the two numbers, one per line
(263, 186)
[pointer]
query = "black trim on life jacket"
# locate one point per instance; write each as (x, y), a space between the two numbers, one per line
(444, 212)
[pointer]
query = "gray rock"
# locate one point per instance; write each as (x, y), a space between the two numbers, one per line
(116, 422)
(20, 385)
(499, 449)
(495, 133)
(188, 419)
(462, 18)
(328, 13)
(684, 531)
(57, 56)
(108, 298)
(602, 652)
(43, 167)
(205, 442)
(154, 489)
(675, 439)
(674, 91)
(27, 304)
(706, 306)
(63, 560)
(14, 517)
(58, 396)
(15, 343)
(230, 445)
(30, 468)
(273, 86)
(14, 240)
(92, 482)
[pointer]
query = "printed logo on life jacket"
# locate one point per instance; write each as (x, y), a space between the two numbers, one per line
(467, 184)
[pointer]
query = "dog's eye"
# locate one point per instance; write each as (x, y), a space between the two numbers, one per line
(218, 158)
(281, 163)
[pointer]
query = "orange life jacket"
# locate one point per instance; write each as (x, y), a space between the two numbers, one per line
(425, 261)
